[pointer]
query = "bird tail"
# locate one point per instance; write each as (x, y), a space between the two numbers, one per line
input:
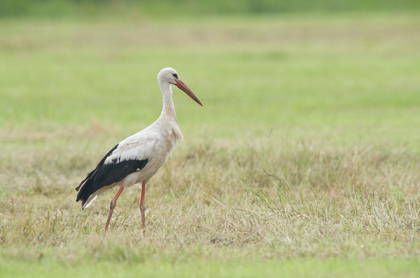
(83, 188)
(89, 187)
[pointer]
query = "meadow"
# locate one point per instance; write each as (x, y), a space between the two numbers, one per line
(304, 160)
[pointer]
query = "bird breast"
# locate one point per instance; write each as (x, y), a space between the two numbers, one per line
(154, 143)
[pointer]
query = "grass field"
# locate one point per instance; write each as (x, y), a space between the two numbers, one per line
(304, 160)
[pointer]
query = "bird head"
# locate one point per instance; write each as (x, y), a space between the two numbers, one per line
(171, 76)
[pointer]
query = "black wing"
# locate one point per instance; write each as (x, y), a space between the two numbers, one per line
(107, 174)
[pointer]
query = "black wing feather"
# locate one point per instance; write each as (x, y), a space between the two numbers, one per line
(107, 174)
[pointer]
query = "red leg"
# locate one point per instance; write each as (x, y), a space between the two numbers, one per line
(113, 204)
(142, 207)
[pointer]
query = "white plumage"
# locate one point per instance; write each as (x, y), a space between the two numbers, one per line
(137, 158)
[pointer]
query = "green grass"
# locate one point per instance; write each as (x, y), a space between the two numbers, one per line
(349, 77)
(304, 160)
(239, 268)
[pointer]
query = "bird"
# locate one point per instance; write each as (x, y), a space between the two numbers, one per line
(136, 159)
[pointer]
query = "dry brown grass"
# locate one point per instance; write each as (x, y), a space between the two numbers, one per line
(277, 198)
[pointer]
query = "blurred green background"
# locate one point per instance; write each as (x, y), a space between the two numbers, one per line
(58, 8)
(340, 70)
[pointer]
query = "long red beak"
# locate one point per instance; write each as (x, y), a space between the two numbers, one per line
(187, 90)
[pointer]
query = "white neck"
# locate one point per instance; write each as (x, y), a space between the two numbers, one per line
(168, 104)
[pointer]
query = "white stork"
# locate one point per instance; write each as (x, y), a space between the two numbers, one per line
(137, 158)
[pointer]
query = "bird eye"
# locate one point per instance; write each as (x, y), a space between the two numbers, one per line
(175, 75)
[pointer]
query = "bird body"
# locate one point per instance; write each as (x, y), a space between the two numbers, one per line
(137, 158)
